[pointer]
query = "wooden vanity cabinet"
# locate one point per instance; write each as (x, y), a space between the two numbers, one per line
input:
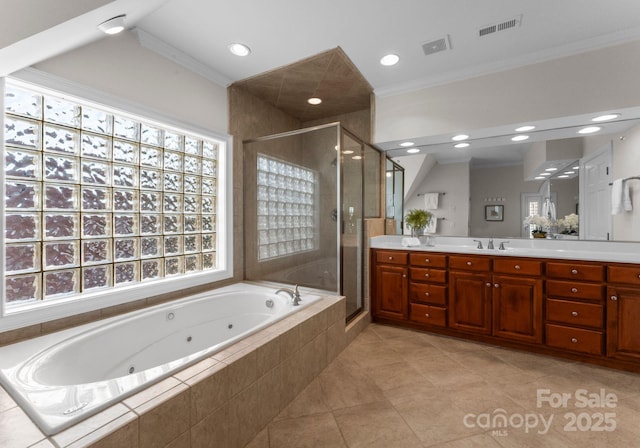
(428, 289)
(470, 293)
(392, 282)
(518, 299)
(575, 306)
(623, 312)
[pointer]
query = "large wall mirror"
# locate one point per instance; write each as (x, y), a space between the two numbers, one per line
(562, 170)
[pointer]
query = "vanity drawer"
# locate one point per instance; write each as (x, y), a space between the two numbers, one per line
(576, 313)
(428, 275)
(423, 292)
(575, 271)
(589, 291)
(624, 274)
(392, 257)
(432, 315)
(576, 339)
(517, 266)
(428, 260)
(470, 263)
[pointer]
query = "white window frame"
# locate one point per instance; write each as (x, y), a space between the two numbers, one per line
(35, 313)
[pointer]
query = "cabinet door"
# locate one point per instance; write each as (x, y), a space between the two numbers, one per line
(392, 292)
(470, 301)
(623, 315)
(517, 308)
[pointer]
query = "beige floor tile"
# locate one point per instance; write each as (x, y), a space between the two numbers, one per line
(310, 401)
(391, 376)
(477, 441)
(445, 371)
(344, 385)
(16, 430)
(375, 425)
(315, 431)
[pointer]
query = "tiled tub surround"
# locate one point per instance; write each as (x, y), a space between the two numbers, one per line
(223, 400)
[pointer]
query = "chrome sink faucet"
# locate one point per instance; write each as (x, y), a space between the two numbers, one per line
(490, 244)
(293, 293)
(502, 243)
(479, 244)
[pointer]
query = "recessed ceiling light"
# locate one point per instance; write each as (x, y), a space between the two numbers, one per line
(519, 138)
(575, 167)
(606, 117)
(389, 59)
(539, 177)
(239, 49)
(413, 150)
(569, 172)
(525, 128)
(562, 176)
(589, 130)
(545, 174)
(551, 169)
(356, 157)
(459, 137)
(314, 101)
(347, 151)
(113, 26)
(461, 145)
(405, 144)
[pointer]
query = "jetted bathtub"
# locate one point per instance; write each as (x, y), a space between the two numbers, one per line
(62, 378)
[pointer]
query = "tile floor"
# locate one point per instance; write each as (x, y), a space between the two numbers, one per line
(393, 387)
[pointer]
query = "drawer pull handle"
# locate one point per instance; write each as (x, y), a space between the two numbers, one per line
(427, 294)
(404, 275)
(574, 271)
(426, 275)
(496, 285)
(614, 298)
(638, 275)
(574, 340)
(574, 289)
(390, 258)
(574, 313)
(426, 260)
(517, 266)
(469, 263)
(427, 315)
(488, 285)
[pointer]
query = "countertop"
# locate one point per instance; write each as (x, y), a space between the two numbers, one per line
(621, 252)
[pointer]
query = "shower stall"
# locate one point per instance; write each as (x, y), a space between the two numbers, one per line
(306, 195)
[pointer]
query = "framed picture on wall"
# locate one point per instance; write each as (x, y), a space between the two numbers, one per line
(494, 212)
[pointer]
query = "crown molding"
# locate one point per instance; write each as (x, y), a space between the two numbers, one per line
(151, 42)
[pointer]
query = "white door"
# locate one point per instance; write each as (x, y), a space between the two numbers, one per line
(532, 205)
(595, 196)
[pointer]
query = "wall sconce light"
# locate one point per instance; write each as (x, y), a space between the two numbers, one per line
(113, 26)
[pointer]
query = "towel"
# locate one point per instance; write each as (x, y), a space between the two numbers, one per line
(410, 242)
(431, 201)
(549, 209)
(626, 196)
(431, 225)
(616, 196)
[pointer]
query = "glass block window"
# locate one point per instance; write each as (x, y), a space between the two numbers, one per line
(286, 201)
(96, 199)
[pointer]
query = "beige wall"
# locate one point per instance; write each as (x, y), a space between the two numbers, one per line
(120, 66)
(452, 179)
(588, 82)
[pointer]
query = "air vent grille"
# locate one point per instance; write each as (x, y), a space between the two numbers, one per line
(436, 46)
(502, 26)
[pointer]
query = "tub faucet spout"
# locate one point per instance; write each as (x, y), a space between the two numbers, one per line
(293, 293)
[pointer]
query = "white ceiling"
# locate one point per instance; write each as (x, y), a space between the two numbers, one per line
(281, 32)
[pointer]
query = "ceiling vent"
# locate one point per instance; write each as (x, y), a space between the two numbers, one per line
(502, 26)
(436, 46)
